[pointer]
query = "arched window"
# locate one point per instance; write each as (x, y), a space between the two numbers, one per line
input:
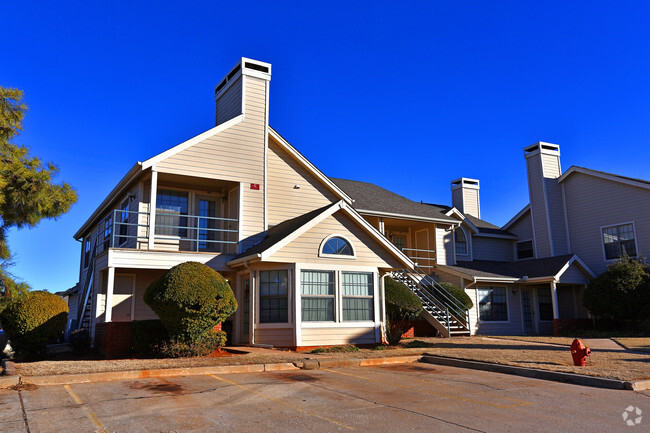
(461, 242)
(338, 246)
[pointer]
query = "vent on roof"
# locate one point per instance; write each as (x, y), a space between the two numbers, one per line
(233, 72)
(256, 67)
(220, 86)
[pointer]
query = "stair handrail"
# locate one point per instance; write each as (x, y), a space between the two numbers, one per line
(420, 290)
(87, 284)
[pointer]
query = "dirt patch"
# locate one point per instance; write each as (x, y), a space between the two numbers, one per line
(163, 387)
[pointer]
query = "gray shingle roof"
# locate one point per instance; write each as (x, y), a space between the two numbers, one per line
(486, 227)
(370, 197)
(276, 233)
(533, 268)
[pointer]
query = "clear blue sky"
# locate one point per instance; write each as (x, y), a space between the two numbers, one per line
(407, 95)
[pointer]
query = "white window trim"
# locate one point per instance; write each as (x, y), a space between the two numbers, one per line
(333, 296)
(533, 248)
(602, 240)
(289, 323)
(337, 256)
(478, 306)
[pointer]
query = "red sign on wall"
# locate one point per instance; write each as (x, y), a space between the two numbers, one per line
(255, 186)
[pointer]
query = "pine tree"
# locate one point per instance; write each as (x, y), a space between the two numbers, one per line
(27, 191)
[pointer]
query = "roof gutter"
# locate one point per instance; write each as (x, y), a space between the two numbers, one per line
(110, 198)
(408, 217)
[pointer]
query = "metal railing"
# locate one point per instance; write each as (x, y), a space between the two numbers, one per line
(172, 231)
(416, 255)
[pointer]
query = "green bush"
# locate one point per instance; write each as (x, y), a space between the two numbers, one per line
(402, 305)
(621, 293)
(190, 300)
(34, 320)
(147, 336)
(458, 293)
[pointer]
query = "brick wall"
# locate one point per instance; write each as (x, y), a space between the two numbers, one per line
(567, 325)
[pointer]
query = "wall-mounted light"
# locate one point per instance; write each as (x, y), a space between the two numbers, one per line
(514, 290)
(296, 186)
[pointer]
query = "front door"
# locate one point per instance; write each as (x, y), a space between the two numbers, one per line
(421, 254)
(527, 311)
(245, 310)
(122, 298)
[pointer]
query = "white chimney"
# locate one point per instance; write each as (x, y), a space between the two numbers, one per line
(546, 203)
(465, 196)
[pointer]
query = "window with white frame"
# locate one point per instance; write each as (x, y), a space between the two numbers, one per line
(545, 303)
(87, 247)
(123, 222)
(357, 296)
(274, 296)
(619, 241)
(317, 292)
(460, 242)
(525, 250)
(171, 212)
(106, 231)
(492, 304)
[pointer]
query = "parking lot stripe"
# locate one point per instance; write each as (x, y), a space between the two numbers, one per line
(275, 400)
(91, 416)
(469, 400)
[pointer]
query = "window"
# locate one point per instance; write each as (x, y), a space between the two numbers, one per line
(274, 290)
(525, 250)
(317, 296)
(460, 242)
(106, 230)
(492, 303)
(337, 246)
(87, 247)
(619, 241)
(124, 221)
(357, 296)
(545, 303)
(170, 207)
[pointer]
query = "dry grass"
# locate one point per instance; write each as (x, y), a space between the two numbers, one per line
(561, 341)
(640, 344)
(612, 364)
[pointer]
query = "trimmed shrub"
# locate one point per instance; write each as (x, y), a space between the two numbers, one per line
(621, 293)
(402, 305)
(147, 336)
(458, 293)
(190, 300)
(34, 320)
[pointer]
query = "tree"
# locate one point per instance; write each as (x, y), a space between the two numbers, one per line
(27, 191)
(621, 293)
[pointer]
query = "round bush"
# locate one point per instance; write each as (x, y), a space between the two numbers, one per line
(190, 299)
(402, 305)
(34, 320)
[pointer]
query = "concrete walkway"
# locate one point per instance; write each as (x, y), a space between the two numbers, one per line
(603, 344)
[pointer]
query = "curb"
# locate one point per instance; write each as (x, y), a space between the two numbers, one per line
(576, 379)
(639, 385)
(307, 364)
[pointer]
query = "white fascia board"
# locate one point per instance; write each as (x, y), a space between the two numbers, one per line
(407, 217)
(494, 235)
(496, 279)
(192, 141)
(547, 279)
(602, 175)
(580, 263)
(516, 218)
(245, 260)
(112, 196)
(308, 165)
(459, 215)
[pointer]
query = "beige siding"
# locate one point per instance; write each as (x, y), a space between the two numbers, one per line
(444, 246)
(163, 260)
(593, 203)
(229, 103)
(573, 275)
(511, 327)
(492, 249)
(282, 337)
(523, 228)
(236, 154)
(368, 252)
(143, 278)
(337, 335)
(286, 201)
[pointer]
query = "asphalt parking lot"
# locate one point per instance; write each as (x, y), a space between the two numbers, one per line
(393, 398)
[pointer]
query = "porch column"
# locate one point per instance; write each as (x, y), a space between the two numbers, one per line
(151, 230)
(108, 311)
(382, 230)
(556, 314)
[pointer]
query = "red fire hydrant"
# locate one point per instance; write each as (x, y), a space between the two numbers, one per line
(580, 352)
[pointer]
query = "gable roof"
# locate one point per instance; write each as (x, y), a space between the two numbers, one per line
(532, 269)
(284, 233)
(371, 199)
(603, 175)
(517, 217)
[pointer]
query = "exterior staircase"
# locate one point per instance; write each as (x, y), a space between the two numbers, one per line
(84, 310)
(442, 310)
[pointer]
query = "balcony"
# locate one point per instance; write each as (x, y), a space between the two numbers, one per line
(172, 231)
(424, 259)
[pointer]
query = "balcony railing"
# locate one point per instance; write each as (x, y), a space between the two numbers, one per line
(425, 259)
(172, 232)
